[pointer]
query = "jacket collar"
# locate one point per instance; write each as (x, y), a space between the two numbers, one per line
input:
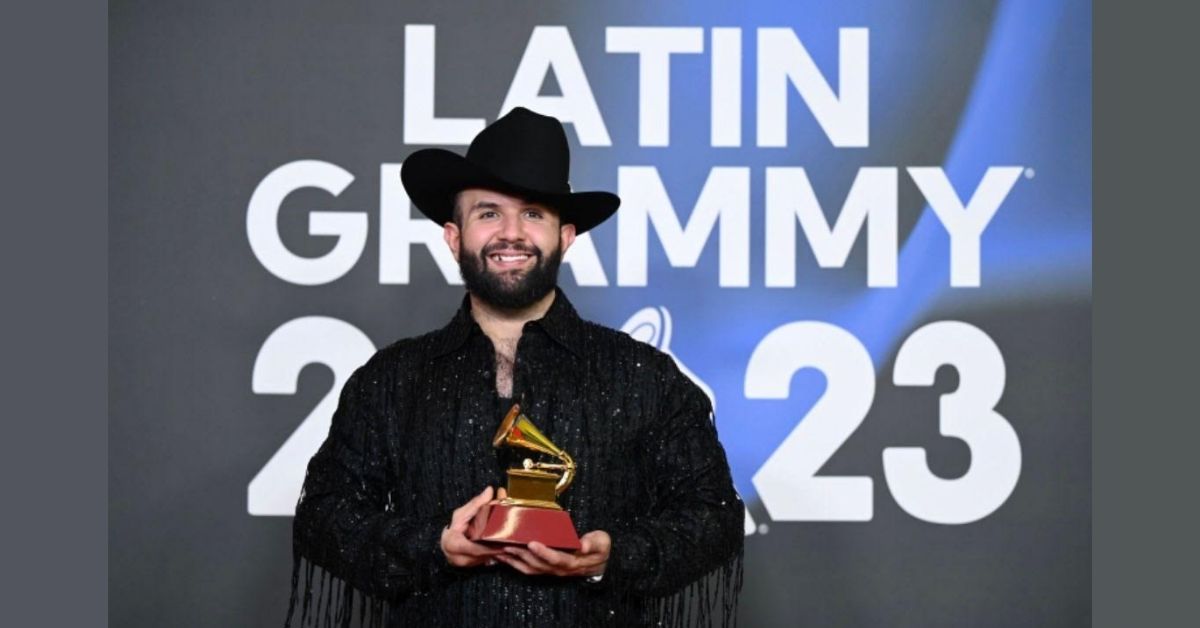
(560, 322)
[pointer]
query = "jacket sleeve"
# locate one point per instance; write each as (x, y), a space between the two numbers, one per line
(695, 524)
(346, 522)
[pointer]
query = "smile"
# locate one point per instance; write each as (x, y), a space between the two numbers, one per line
(513, 259)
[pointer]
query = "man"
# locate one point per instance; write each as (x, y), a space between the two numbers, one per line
(409, 461)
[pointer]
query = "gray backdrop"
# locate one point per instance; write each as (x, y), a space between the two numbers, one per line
(206, 101)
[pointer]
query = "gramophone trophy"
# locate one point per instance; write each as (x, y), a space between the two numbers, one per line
(530, 512)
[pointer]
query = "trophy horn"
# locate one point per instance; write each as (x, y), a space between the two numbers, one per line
(516, 430)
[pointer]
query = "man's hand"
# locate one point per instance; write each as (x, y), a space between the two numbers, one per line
(461, 551)
(539, 559)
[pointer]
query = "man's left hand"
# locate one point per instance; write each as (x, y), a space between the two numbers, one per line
(537, 559)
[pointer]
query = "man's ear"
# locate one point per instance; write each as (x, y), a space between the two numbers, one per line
(453, 238)
(567, 233)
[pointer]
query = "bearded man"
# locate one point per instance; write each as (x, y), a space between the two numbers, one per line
(409, 462)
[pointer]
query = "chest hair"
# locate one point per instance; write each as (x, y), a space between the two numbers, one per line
(506, 352)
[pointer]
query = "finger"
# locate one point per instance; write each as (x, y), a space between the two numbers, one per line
(465, 547)
(460, 556)
(501, 493)
(588, 563)
(462, 560)
(516, 564)
(595, 542)
(477, 502)
(463, 514)
(531, 559)
(457, 543)
(551, 556)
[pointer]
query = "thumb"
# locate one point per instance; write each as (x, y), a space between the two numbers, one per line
(479, 500)
(467, 511)
(592, 542)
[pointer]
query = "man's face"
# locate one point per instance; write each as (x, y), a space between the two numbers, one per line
(508, 249)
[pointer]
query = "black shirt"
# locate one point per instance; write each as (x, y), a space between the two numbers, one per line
(411, 441)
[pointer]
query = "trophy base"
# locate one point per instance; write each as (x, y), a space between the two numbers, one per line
(521, 525)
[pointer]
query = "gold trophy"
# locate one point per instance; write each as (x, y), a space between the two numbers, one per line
(530, 512)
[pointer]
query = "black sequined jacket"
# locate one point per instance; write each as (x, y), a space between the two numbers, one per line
(411, 441)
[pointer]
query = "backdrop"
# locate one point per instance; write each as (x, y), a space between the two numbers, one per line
(863, 228)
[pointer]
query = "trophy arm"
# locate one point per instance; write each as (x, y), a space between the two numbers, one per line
(567, 468)
(568, 475)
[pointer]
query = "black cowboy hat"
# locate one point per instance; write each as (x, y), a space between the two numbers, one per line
(524, 154)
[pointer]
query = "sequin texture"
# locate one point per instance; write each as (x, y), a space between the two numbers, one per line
(411, 441)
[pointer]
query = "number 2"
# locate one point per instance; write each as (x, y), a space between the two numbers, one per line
(294, 345)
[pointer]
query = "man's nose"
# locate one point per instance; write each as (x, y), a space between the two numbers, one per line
(512, 229)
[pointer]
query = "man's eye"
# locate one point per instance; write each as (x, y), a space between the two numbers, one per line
(533, 213)
(487, 214)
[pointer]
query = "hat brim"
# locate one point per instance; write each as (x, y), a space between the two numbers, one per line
(433, 176)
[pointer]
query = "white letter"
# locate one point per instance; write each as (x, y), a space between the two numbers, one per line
(790, 194)
(262, 229)
(654, 47)
(782, 58)
(965, 226)
(399, 231)
(550, 48)
(726, 194)
(420, 125)
(726, 87)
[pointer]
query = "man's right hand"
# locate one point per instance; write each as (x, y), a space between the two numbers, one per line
(459, 550)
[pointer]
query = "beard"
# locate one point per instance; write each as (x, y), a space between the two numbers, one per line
(512, 289)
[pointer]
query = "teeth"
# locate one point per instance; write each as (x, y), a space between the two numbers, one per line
(510, 258)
